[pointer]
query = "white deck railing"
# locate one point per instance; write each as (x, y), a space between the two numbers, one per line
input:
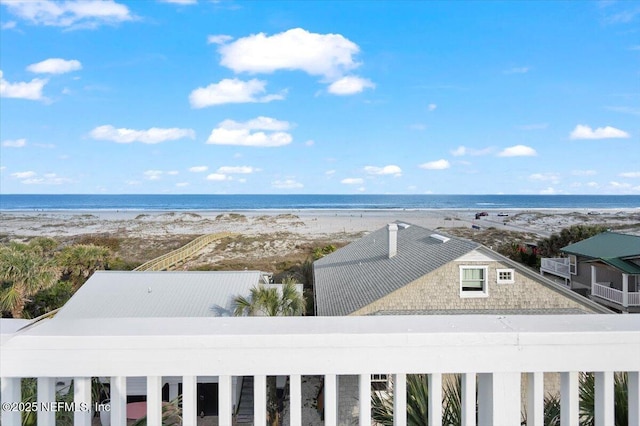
(604, 291)
(491, 352)
(556, 265)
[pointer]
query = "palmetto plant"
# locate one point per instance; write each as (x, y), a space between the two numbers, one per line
(80, 261)
(587, 399)
(23, 273)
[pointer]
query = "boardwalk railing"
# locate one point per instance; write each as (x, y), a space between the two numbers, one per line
(605, 291)
(492, 353)
(176, 257)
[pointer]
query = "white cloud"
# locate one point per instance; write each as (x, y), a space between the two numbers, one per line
(436, 165)
(583, 172)
(71, 13)
(517, 70)
(47, 179)
(548, 191)
(552, 177)
(585, 132)
(352, 181)
(182, 184)
(271, 133)
(23, 90)
(237, 170)
(180, 2)
(287, 184)
(386, 170)
(463, 150)
(232, 91)
(55, 66)
(630, 174)
(198, 169)
(327, 55)
(153, 174)
(151, 136)
(24, 175)
(350, 85)
(173, 172)
(8, 25)
(432, 107)
(219, 39)
(518, 151)
(330, 172)
(16, 143)
(217, 177)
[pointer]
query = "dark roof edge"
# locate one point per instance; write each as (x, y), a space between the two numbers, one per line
(547, 282)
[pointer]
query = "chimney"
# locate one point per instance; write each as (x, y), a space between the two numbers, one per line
(393, 239)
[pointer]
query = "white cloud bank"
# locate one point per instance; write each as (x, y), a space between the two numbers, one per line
(630, 174)
(55, 66)
(350, 85)
(151, 136)
(244, 170)
(218, 39)
(352, 181)
(198, 169)
(386, 170)
(436, 165)
(463, 150)
(71, 13)
(518, 151)
(585, 132)
(330, 56)
(271, 133)
(32, 178)
(22, 90)
(232, 91)
(287, 184)
(16, 143)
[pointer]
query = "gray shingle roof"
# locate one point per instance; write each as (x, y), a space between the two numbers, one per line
(115, 294)
(361, 272)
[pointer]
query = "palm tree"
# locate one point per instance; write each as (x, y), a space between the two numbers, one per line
(272, 302)
(23, 273)
(80, 261)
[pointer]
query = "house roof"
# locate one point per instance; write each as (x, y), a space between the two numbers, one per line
(611, 248)
(362, 272)
(116, 294)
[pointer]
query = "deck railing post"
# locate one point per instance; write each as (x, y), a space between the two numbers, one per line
(569, 398)
(625, 290)
(400, 400)
(330, 400)
(225, 389)
(633, 383)
(364, 390)
(260, 400)
(46, 394)
(295, 400)
(11, 394)
(154, 400)
(434, 384)
(82, 401)
(468, 381)
(118, 400)
(604, 402)
(535, 399)
(189, 400)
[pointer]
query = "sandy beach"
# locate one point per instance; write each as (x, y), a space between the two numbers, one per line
(265, 239)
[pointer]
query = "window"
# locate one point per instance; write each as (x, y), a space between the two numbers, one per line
(380, 382)
(473, 281)
(573, 264)
(505, 276)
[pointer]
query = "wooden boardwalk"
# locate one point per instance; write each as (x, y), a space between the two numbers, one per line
(171, 260)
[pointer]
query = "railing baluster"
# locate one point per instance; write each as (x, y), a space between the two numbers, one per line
(82, 399)
(46, 394)
(189, 400)
(435, 399)
(295, 400)
(468, 399)
(224, 400)
(399, 400)
(154, 400)
(569, 399)
(11, 394)
(330, 400)
(118, 400)
(364, 388)
(260, 400)
(604, 414)
(535, 399)
(633, 392)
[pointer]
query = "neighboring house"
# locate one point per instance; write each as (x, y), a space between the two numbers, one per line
(110, 295)
(405, 269)
(606, 266)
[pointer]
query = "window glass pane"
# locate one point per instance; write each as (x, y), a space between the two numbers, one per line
(472, 274)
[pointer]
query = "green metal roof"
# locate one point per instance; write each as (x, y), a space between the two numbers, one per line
(611, 248)
(606, 245)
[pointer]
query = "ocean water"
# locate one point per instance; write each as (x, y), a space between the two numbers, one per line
(185, 202)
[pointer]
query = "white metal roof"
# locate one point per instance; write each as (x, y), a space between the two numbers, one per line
(116, 294)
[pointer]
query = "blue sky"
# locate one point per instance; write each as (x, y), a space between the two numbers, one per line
(189, 96)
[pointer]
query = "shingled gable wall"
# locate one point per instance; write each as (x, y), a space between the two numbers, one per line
(440, 290)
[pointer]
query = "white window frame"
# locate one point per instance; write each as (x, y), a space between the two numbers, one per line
(573, 264)
(485, 287)
(511, 280)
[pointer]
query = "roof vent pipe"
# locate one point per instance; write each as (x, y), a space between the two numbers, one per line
(393, 239)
